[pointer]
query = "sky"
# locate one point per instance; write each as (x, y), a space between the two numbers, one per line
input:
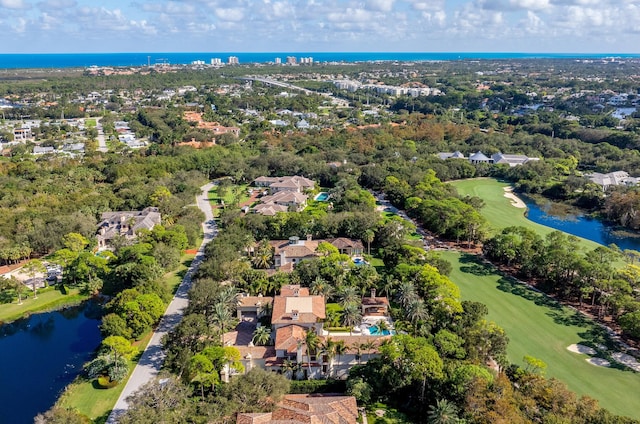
(541, 26)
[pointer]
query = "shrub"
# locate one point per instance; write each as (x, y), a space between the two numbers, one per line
(105, 382)
(318, 386)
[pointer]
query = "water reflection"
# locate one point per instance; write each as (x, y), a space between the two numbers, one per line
(565, 219)
(40, 356)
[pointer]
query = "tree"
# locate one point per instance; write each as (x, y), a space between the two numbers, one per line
(534, 365)
(443, 412)
(368, 238)
(312, 343)
(348, 295)
(114, 325)
(261, 336)
(416, 313)
(630, 323)
(414, 358)
(351, 316)
(163, 400)
(75, 242)
(58, 415)
(221, 318)
(328, 349)
(202, 373)
(263, 255)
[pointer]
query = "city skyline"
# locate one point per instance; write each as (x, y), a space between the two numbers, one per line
(562, 26)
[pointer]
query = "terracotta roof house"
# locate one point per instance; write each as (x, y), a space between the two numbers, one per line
(291, 200)
(125, 224)
(307, 409)
(373, 305)
(285, 192)
(296, 306)
(252, 306)
(347, 246)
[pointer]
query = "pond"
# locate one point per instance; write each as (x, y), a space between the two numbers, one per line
(41, 355)
(581, 225)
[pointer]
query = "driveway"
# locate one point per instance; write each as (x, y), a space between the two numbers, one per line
(153, 357)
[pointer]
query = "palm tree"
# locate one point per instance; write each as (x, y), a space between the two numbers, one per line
(348, 295)
(261, 336)
(388, 287)
(312, 342)
(368, 237)
(406, 293)
(229, 298)
(320, 286)
(263, 256)
(443, 412)
(351, 316)
(328, 349)
(221, 317)
(340, 349)
(368, 346)
(265, 309)
(382, 326)
(416, 312)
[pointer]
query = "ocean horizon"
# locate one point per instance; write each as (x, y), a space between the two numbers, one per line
(85, 60)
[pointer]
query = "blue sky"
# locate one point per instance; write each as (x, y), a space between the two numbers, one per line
(571, 26)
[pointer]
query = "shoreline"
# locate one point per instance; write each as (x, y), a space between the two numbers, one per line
(515, 200)
(55, 305)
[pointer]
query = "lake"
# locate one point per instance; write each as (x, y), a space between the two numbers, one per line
(581, 226)
(41, 355)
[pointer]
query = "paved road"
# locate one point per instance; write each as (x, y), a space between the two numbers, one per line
(153, 357)
(102, 143)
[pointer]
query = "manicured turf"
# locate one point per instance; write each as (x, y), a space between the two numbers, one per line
(540, 327)
(91, 400)
(47, 300)
(499, 211)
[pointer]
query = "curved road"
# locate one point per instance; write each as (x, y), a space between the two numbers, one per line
(153, 357)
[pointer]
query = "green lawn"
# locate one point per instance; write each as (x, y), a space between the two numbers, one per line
(499, 211)
(539, 326)
(47, 300)
(90, 123)
(93, 401)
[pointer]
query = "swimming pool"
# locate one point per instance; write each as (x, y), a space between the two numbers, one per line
(375, 331)
(322, 197)
(359, 261)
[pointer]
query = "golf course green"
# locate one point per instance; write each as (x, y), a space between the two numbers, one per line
(499, 210)
(536, 324)
(540, 327)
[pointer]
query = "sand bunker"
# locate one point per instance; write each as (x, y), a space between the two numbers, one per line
(599, 362)
(627, 360)
(578, 348)
(515, 200)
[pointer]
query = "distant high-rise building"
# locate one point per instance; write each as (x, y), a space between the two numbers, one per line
(233, 60)
(278, 61)
(216, 61)
(291, 60)
(306, 60)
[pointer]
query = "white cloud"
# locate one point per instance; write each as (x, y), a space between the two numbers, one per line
(14, 4)
(380, 5)
(234, 14)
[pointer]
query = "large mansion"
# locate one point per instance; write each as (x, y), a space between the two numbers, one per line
(295, 312)
(282, 194)
(125, 224)
(288, 253)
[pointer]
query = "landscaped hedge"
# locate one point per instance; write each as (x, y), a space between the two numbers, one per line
(318, 386)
